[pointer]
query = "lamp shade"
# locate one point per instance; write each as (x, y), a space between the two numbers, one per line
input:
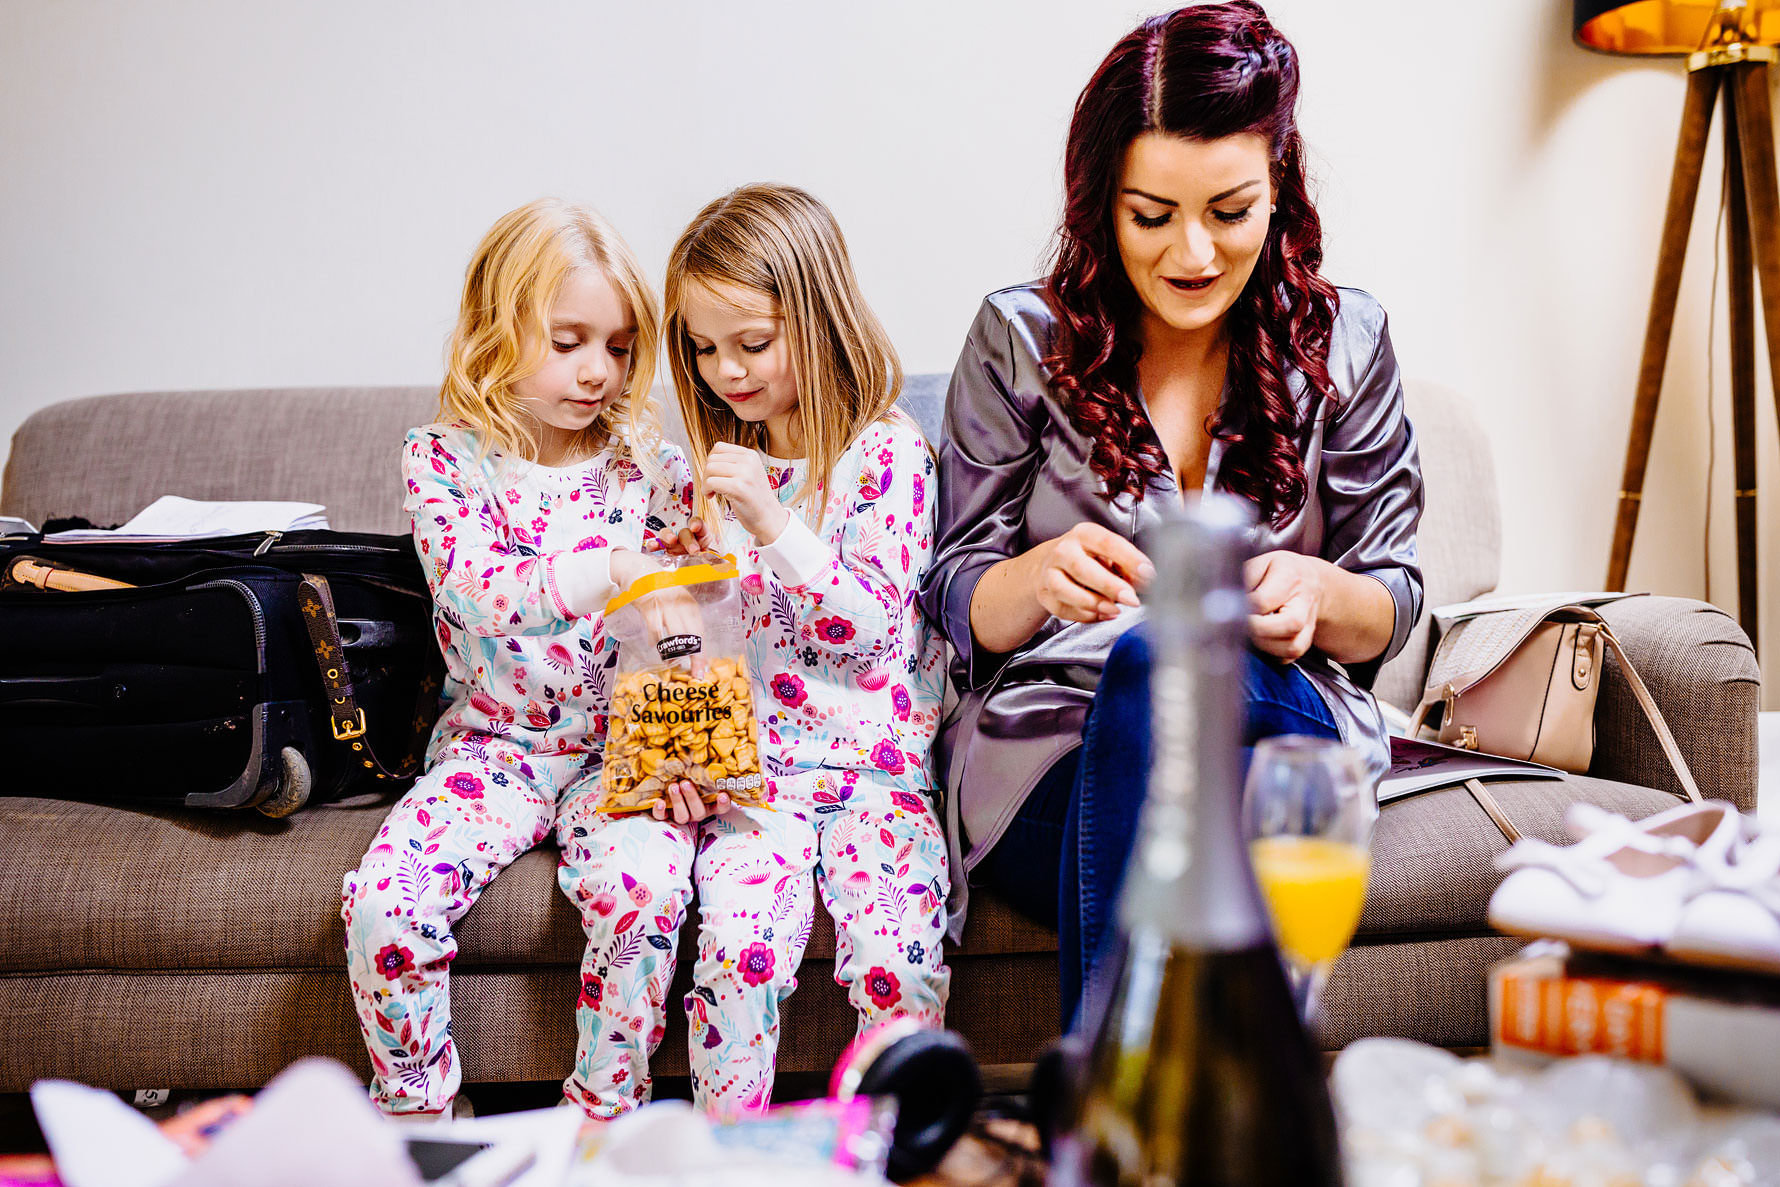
(1665, 26)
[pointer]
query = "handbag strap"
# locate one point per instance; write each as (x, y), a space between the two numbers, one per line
(1492, 808)
(1444, 695)
(1654, 715)
(345, 715)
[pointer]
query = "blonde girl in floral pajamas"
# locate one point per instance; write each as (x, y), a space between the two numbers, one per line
(531, 502)
(787, 383)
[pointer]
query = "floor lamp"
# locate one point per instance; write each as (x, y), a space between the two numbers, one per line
(1729, 45)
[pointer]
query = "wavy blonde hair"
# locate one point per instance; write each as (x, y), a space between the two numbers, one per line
(783, 244)
(503, 330)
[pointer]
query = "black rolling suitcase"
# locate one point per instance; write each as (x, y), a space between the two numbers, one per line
(258, 671)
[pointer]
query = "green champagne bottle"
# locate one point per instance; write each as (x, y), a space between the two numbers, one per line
(1199, 1070)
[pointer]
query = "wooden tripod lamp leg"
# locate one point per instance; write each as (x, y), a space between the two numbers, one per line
(1740, 288)
(1684, 187)
(1755, 137)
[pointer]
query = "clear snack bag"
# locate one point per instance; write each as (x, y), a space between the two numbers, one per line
(682, 708)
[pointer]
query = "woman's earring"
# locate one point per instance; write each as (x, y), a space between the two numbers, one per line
(1273, 209)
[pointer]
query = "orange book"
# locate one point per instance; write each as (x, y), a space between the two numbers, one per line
(1546, 1003)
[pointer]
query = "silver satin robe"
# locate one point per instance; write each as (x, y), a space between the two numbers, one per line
(1014, 472)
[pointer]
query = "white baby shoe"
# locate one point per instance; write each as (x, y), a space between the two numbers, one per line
(1622, 886)
(1733, 916)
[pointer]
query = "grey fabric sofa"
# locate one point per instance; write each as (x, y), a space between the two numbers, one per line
(176, 949)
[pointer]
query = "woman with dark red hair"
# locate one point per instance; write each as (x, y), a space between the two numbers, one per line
(1184, 341)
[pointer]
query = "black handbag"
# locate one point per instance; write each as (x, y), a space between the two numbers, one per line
(260, 671)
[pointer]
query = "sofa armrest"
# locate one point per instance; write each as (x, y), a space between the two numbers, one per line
(1701, 670)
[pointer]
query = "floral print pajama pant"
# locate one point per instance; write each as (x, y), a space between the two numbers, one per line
(880, 862)
(882, 876)
(468, 818)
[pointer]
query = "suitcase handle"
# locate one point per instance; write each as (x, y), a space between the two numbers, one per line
(372, 633)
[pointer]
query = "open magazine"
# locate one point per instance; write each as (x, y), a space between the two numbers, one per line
(1417, 766)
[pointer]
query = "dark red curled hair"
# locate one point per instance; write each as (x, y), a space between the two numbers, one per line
(1201, 73)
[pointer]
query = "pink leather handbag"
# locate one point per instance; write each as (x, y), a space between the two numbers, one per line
(1523, 683)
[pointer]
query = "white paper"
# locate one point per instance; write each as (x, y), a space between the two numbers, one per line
(550, 1133)
(171, 517)
(313, 1124)
(99, 1141)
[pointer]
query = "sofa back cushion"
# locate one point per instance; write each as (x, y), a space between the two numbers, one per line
(1461, 529)
(107, 457)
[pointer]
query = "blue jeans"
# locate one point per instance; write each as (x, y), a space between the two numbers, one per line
(1062, 859)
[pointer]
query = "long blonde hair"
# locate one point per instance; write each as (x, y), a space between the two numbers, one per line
(782, 243)
(503, 325)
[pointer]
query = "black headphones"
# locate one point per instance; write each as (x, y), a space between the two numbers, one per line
(931, 1075)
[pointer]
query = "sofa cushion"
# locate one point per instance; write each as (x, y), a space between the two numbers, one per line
(165, 889)
(1433, 990)
(120, 913)
(1433, 853)
(122, 888)
(233, 1031)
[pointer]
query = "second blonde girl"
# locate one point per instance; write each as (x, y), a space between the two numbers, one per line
(823, 490)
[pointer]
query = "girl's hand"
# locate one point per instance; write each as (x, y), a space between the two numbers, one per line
(687, 807)
(740, 477)
(666, 612)
(673, 611)
(1286, 591)
(1087, 573)
(627, 567)
(694, 538)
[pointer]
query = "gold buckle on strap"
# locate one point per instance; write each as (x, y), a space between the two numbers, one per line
(349, 731)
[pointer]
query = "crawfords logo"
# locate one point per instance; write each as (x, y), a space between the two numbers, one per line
(674, 646)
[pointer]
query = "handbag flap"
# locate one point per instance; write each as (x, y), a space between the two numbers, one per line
(1475, 647)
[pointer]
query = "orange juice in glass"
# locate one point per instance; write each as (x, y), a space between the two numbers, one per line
(1308, 808)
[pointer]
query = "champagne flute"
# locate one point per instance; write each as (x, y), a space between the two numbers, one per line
(1308, 808)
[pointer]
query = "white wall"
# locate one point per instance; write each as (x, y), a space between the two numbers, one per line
(204, 193)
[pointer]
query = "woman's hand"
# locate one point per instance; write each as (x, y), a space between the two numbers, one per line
(1084, 575)
(1285, 594)
(692, 539)
(1300, 602)
(740, 477)
(1088, 572)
